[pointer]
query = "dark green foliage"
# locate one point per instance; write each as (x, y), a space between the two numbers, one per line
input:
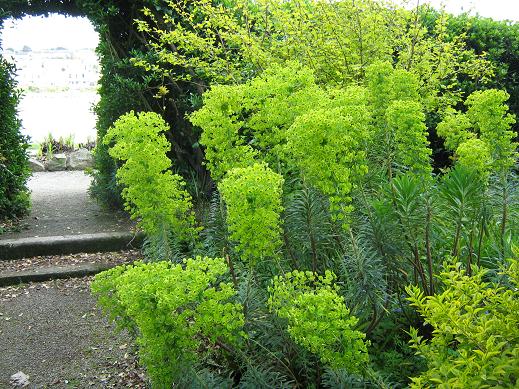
(499, 40)
(259, 377)
(203, 379)
(392, 356)
(308, 229)
(215, 235)
(14, 169)
(364, 274)
(119, 95)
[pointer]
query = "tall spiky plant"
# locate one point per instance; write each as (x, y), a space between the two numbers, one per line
(309, 228)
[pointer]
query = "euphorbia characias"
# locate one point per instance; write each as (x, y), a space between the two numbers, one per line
(243, 123)
(253, 198)
(317, 318)
(139, 141)
(328, 146)
(484, 131)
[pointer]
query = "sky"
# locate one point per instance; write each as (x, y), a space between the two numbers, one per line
(495, 9)
(49, 32)
(75, 33)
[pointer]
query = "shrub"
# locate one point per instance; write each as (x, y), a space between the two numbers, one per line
(475, 342)
(253, 198)
(328, 146)
(152, 193)
(318, 319)
(246, 123)
(487, 116)
(180, 312)
(14, 168)
(400, 135)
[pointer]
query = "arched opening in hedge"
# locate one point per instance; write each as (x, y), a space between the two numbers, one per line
(57, 70)
(124, 87)
(121, 85)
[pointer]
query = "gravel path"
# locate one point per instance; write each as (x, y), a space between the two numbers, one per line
(61, 206)
(54, 333)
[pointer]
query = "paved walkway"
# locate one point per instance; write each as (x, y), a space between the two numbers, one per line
(61, 206)
(54, 333)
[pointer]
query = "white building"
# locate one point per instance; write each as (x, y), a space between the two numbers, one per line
(55, 68)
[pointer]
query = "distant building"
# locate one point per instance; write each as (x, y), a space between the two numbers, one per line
(55, 68)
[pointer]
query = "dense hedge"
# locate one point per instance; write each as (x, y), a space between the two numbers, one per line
(14, 171)
(500, 41)
(124, 87)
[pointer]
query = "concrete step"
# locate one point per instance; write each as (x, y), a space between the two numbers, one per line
(69, 244)
(52, 273)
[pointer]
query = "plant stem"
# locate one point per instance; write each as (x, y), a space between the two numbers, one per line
(428, 247)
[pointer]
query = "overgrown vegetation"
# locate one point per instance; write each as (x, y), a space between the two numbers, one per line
(327, 217)
(14, 169)
(356, 150)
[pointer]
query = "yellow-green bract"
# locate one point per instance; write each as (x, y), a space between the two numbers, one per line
(246, 123)
(318, 319)
(180, 311)
(152, 193)
(482, 138)
(253, 198)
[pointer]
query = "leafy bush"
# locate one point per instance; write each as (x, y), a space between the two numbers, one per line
(14, 167)
(253, 198)
(140, 143)
(180, 313)
(475, 342)
(246, 123)
(399, 142)
(328, 146)
(487, 116)
(318, 319)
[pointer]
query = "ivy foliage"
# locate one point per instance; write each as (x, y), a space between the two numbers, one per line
(139, 142)
(123, 86)
(317, 318)
(475, 342)
(253, 199)
(14, 168)
(181, 311)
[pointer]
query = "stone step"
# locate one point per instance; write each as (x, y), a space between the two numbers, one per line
(69, 244)
(52, 273)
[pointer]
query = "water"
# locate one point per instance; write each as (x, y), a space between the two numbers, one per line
(60, 114)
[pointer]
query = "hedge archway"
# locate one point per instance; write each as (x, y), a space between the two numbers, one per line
(122, 87)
